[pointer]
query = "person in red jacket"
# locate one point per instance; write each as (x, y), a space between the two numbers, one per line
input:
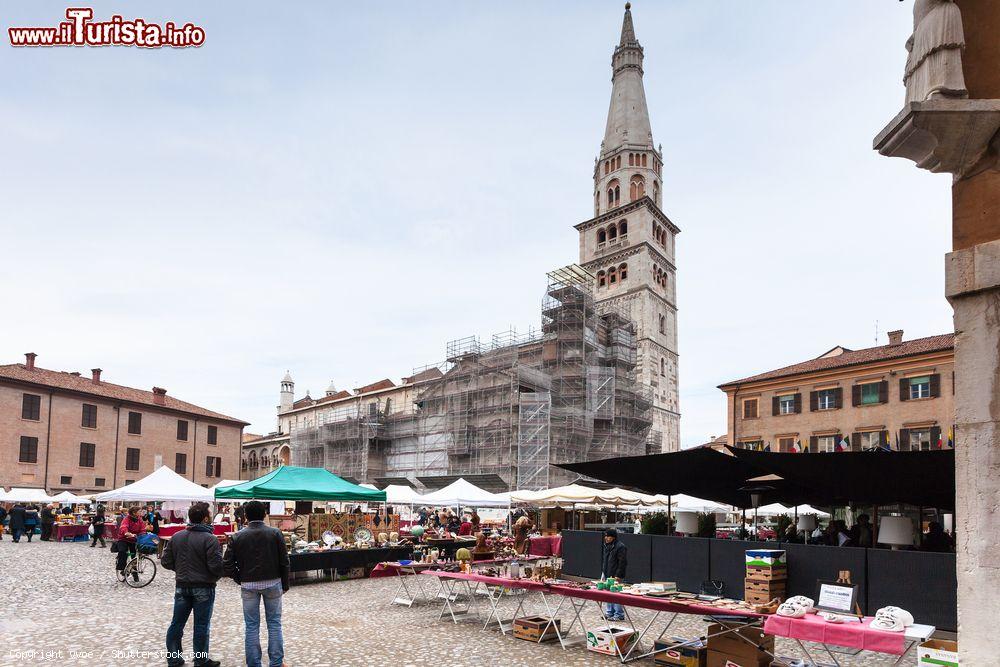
(132, 526)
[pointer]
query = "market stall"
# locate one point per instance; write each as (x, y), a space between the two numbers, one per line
(462, 493)
(163, 484)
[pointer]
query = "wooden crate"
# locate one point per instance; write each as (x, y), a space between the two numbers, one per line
(762, 598)
(767, 573)
(530, 628)
(764, 586)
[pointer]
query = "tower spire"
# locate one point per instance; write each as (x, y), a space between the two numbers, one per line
(628, 118)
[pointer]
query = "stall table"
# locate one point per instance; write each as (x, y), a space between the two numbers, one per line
(550, 545)
(61, 532)
(451, 586)
(343, 559)
(408, 598)
(861, 636)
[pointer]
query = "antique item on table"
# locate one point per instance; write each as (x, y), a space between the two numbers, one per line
(796, 606)
(362, 535)
(892, 619)
(329, 539)
(393, 538)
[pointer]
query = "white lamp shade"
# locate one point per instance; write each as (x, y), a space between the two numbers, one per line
(807, 522)
(896, 530)
(687, 523)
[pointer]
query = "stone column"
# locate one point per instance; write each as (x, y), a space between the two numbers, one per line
(961, 137)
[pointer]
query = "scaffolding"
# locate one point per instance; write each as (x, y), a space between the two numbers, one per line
(507, 409)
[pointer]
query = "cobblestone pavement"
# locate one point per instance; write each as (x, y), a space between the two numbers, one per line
(64, 598)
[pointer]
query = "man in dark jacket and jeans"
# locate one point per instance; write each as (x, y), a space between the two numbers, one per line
(195, 557)
(258, 561)
(614, 560)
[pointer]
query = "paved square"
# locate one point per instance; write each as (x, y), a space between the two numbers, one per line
(63, 597)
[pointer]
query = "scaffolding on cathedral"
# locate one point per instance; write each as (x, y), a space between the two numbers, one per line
(502, 412)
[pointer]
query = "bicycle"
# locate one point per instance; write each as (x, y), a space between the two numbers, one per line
(140, 570)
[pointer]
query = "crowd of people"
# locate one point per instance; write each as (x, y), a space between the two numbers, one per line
(862, 534)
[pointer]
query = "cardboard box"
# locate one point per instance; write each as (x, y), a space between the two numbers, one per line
(762, 598)
(533, 629)
(605, 639)
(691, 655)
(734, 647)
(767, 573)
(938, 653)
(764, 586)
(766, 558)
(716, 659)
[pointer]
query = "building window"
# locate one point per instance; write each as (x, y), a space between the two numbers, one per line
(89, 417)
(920, 439)
(602, 279)
(180, 463)
(663, 324)
(213, 435)
(754, 445)
(750, 408)
(88, 451)
(135, 423)
(623, 228)
(612, 276)
(920, 387)
(28, 453)
(786, 404)
(643, 159)
(871, 439)
(31, 407)
(623, 272)
(65, 479)
(129, 481)
(869, 394)
(602, 238)
(182, 429)
(100, 481)
(785, 444)
(636, 187)
(663, 367)
(213, 466)
(826, 399)
(131, 458)
(826, 443)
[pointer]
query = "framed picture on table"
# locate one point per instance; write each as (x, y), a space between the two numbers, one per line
(836, 597)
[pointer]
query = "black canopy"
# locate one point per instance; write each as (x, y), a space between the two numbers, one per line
(922, 478)
(878, 478)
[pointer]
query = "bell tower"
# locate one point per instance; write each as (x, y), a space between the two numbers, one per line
(629, 243)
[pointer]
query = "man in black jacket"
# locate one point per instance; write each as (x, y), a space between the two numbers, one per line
(614, 561)
(258, 561)
(195, 557)
(16, 523)
(48, 520)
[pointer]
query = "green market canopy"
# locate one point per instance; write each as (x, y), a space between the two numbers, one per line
(294, 483)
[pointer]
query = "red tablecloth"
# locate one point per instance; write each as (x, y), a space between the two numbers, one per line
(61, 532)
(641, 601)
(854, 635)
(217, 528)
(393, 569)
(545, 546)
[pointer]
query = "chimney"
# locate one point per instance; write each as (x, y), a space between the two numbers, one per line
(896, 337)
(95, 375)
(159, 396)
(75, 373)
(29, 360)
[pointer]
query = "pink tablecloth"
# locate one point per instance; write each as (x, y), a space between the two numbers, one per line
(217, 528)
(545, 546)
(62, 532)
(855, 635)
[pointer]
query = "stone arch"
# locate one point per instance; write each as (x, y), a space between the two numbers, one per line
(636, 187)
(623, 271)
(602, 279)
(623, 228)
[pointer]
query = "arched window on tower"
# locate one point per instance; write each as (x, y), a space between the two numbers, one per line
(623, 228)
(636, 187)
(663, 324)
(612, 233)
(607, 167)
(602, 279)
(643, 159)
(612, 275)
(613, 193)
(631, 159)
(663, 367)
(618, 195)
(656, 193)
(623, 272)
(602, 238)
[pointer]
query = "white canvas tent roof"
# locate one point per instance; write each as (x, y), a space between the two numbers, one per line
(227, 482)
(571, 494)
(71, 498)
(775, 509)
(685, 503)
(162, 484)
(461, 492)
(401, 494)
(27, 495)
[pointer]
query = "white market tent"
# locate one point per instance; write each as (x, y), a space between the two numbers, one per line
(27, 495)
(571, 494)
(400, 494)
(70, 498)
(685, 503)
(162, 484)
(774, 509)
(461, 493)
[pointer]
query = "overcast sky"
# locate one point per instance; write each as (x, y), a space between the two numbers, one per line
(339, 188)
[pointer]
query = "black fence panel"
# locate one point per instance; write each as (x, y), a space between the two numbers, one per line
(639, 556)
(808, 563)
(727, 563)
(683, 560)
(582, 553)
(924, 584)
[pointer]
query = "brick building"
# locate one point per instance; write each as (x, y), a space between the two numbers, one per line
(898, 396)
(62, 431)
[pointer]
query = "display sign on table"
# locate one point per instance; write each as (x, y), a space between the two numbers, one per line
(836, 597)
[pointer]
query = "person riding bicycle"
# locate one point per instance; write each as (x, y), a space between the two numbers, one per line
(132, 526)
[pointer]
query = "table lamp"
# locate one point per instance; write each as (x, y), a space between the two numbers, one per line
(807, 522)
(687, 523)
(896, 531)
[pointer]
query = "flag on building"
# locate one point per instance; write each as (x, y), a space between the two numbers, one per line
(806, 447)
(795, 448)
(951, 438)
(940, 442)
(767, 447)
(843, 445)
